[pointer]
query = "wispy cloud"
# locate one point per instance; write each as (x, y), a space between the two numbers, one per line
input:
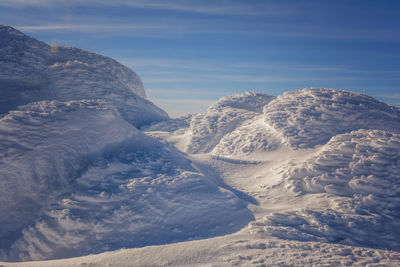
(203, 7)
(89, 27)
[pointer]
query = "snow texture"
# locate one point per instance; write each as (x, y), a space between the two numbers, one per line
(76, 176)
(310, 117)
(317, 171)
(208, 128)
(360, 173)
(78, 179)
(253, 136)
(32, 70)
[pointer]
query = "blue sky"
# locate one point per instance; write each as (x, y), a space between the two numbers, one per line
(190, 53)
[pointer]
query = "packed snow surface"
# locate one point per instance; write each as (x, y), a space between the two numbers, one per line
(310, 178)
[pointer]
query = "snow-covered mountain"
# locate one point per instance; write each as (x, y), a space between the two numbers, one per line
(89, 165)
(32, 70)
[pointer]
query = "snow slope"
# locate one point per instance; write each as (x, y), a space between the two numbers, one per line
(78, 179)
(32, 70)
(44, 147)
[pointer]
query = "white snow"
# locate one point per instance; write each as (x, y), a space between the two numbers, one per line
(310, 178)
(206, 129)
(310, 117)
(360, 173)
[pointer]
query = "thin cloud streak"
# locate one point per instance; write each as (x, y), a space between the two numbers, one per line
(252, 78)
(235, 66)
(89, 27)
(211, 8)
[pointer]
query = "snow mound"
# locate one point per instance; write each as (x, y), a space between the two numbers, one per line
(251, 137)
(206, 129)
(310, 117)
(360, 172)
(32, 71)
(76, 178)
(44, 146)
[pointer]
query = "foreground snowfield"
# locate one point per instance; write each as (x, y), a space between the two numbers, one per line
(308, 178)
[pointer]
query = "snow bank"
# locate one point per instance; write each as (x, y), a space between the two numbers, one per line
(310, 117)
(208, 128)
(32, 71)
(360, 173)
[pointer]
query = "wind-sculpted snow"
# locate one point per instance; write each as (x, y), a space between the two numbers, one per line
(206, 129)
(360, 172)
(44, 146)
(32, 71)
(75, 178)
(252, 136)
(310, 117)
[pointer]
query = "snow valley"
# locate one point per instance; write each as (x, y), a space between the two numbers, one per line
(88, 165)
